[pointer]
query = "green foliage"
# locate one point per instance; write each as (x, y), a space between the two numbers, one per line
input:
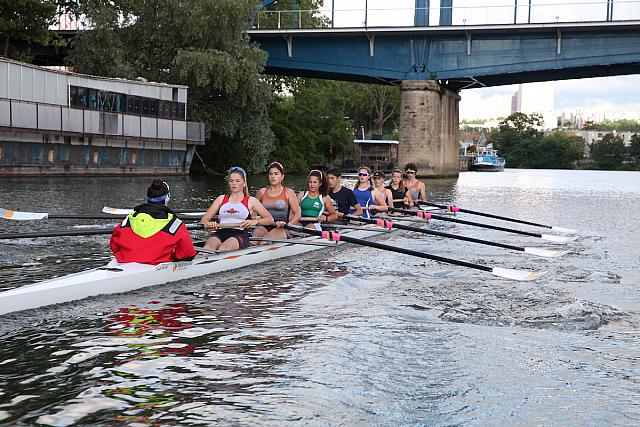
(518, 141)
(609, 152)
(198, 43)
(310, 123)
(634, 148)
(26, 21)
(622, 125)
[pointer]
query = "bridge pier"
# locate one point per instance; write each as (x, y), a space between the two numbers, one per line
(429, 128)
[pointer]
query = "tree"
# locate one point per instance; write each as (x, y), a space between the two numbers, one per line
(198, 43)
(311, 123)
(26, 21)
(634, 148)
(609, 152)
(516, 139)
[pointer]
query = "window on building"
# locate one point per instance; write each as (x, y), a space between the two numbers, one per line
(145, 106)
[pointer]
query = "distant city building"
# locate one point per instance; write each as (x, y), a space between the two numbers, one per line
(536, 98)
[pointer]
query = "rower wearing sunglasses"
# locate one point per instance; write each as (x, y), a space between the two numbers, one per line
(385, 193)
(366, 194)
(417, 189)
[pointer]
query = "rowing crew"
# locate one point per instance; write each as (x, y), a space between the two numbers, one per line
(153, 233)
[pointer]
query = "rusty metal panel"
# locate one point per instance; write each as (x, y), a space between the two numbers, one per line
(131, 125)
(179, 130)
(24, 115)
(5, 110)
(72, 120)
(148, 127)
(49, 117)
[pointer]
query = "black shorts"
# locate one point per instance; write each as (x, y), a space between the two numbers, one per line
(240, 235)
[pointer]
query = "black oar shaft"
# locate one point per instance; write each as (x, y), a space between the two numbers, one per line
(396, 249)
(475, 224)
(488, 215)
(441, 234)
(83, 232)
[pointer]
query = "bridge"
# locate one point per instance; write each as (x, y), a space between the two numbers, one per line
(434, 52)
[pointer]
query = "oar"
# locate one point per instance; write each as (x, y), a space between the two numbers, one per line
(84, 232)
(504, 218)
(427, 215)
(390, 223)
(182, 212)
(496, 271)
(31, 216)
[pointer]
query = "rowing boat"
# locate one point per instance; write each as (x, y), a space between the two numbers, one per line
(118, 277)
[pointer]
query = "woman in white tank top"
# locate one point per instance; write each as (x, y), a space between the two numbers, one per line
(236, 208)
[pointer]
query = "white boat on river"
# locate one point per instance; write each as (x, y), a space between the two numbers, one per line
(116, 277)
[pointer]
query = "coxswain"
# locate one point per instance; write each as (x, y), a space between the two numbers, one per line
(400, 193)
(152, 233)
(237, 212)
(344, 201)
(314, 203)
(280, 201)
(366, 195)
(417, 189)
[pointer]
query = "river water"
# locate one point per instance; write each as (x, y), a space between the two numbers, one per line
(350, 337)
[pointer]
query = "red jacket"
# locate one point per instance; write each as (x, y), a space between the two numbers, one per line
(150, 235)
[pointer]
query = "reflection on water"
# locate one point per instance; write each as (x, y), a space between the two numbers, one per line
(353, 336)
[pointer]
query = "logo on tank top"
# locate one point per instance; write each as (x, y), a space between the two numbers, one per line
(316, 204)
(280, 204)
(232, 211)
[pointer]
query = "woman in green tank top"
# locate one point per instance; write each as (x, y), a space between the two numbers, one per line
(315, 205)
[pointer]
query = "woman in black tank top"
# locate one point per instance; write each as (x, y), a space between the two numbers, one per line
(398, 190)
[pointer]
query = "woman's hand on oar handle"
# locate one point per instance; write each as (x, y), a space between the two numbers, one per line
(210, 225)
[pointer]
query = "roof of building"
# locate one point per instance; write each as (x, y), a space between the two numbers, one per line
(140, 80)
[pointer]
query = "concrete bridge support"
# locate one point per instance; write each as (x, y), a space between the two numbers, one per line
(429, 128)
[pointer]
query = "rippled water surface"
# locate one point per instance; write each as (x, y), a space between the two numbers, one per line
(346, 336)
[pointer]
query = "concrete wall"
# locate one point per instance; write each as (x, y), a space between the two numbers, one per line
(429, 128)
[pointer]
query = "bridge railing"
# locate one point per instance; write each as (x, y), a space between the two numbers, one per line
(523, 12)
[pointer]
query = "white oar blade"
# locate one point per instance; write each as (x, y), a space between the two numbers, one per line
(545, 252)
(192, 214)
(21, 216)
(558, 239)
(520, 275)
(564, 230)
(116, 211)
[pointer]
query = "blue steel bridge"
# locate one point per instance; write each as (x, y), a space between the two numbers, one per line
(460, 44)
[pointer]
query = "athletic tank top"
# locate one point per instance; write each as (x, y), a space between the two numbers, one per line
(374, 202)
(277, 206)
(365, 199)
(414, 191)
(397, 195)
(230, 213)
(311, 207)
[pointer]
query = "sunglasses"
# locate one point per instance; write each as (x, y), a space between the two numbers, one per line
(377, 177)
(409, 171)
(363, 174)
